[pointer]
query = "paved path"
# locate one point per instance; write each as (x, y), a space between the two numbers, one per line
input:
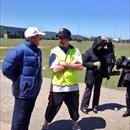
(108, 118)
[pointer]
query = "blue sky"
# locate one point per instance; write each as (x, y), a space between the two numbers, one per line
(93, 17)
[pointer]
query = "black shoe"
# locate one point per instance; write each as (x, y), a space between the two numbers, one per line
(95, 109)
(84, 110)
(127, 113)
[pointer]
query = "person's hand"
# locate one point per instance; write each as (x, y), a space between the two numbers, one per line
(63, 64)
(97, 64)
(126, 70)
(104, 39)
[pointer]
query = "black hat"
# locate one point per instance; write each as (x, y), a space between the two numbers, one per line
(65, 33)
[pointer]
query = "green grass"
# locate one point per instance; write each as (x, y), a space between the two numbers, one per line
(47, 45)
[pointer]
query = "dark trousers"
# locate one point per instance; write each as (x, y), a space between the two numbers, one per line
(128, 92)
(71, 99)
(88, 92)
(110, 68)
(22, 113)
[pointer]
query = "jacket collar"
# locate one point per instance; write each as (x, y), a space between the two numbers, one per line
(31, 45)
(66, 49)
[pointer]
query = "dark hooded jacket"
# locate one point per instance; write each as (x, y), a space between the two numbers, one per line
(111, 58)
(124, 80)
(92, 55)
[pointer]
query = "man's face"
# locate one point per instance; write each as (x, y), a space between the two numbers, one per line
(99, 47)
(35, 39)
(126, 70)
(63, 41)
(102, 45)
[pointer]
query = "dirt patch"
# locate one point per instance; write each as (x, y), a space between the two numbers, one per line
(112, 105)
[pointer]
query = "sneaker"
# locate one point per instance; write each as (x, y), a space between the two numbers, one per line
(84, 110)
(76, 127)
(44, 128)
(95, 109)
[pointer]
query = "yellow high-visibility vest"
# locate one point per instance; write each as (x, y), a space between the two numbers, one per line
(69, 76)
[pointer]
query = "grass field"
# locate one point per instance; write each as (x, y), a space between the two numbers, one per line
(47, 45)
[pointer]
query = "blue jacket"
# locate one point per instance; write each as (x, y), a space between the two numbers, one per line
(23, 65)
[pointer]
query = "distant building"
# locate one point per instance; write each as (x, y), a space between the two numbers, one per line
(16, 32)
(116, 39)
(11, 32)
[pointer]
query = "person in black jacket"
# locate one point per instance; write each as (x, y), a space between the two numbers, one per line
(124, 64)
(111, 57)
(95, 61)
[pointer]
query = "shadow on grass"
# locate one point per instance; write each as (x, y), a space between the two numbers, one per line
(110, 106)
(90, 123)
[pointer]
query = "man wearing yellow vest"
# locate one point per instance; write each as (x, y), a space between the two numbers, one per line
(64, 62)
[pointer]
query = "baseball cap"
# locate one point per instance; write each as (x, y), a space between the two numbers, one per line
(32, 31)
(65, 33)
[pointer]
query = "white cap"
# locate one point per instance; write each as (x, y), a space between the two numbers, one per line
(32, 31)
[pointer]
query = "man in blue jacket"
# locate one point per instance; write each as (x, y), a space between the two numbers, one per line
(23, 66)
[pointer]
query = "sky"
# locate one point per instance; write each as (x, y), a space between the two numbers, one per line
(84, 17)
